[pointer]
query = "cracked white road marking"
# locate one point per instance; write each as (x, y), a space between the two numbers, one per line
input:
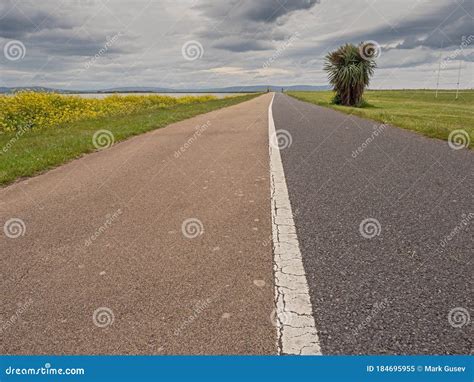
(296, 328)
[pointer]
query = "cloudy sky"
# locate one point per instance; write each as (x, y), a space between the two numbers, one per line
(93, 44)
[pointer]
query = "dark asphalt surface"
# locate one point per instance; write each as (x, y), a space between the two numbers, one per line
(390, 294)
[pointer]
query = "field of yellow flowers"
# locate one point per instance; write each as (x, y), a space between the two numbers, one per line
(30, 110)
(39, 131)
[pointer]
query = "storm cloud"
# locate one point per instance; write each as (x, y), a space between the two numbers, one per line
(442, 27)
(266, 11)
(17, 21)
(93, 44)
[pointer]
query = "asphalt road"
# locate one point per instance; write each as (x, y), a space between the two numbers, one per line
(389, 293)
(162, 244)
(105, 265)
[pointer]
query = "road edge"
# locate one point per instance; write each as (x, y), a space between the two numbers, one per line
(115, 142)
(293, 317)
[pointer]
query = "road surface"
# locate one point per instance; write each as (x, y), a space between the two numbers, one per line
(158, 245)
(389, 293)
(162, 244)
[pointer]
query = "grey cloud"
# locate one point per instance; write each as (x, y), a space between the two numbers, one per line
(18, 19)
(53, 33)
(256, 23)
(77, 43)
(443, 26)
(239, 44)
(61, 36)
(266, 11)
(469, 57)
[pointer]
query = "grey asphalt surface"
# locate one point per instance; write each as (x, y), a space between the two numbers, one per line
(390, 294)
(104, 234)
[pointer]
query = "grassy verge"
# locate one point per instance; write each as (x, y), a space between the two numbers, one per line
(28, 153)
(416, 110)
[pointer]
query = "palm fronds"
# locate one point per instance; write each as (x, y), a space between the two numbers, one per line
(349, 73)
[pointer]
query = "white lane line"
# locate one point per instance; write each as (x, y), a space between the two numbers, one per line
(296, 328)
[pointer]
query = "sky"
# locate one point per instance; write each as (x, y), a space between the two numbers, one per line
(98, 44)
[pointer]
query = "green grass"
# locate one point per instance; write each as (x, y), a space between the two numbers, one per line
(416, 110)
(23, 155)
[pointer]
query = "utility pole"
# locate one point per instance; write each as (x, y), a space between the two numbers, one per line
(459, 79)
(439, 69)
(437, 80)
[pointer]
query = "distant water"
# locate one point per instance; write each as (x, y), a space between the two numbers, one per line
(103, 95)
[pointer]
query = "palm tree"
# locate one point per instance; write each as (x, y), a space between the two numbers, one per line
(349, 70)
